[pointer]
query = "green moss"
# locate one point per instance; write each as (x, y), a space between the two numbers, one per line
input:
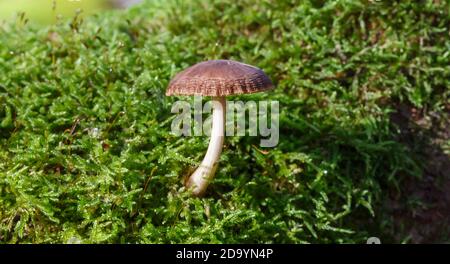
(338, 67)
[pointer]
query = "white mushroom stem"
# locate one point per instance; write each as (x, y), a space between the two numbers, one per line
(202, 176)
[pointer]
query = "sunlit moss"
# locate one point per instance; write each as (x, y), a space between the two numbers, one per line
(86, 153)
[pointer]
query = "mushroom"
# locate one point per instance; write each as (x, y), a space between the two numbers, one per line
(218, 79)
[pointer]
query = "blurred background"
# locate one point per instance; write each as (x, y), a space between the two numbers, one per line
(45, 12)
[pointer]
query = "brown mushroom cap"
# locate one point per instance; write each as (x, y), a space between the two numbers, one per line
(219, 78)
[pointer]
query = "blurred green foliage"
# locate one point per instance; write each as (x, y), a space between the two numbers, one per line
(86, 153)
(49, 11)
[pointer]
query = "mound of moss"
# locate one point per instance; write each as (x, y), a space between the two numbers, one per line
(86, 153)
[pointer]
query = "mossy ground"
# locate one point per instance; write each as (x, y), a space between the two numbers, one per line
(87, 154)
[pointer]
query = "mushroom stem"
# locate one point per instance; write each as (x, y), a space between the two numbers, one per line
(201, 177)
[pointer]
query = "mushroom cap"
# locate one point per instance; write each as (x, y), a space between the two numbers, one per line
(219, 78)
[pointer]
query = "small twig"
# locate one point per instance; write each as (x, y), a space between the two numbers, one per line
(72, 131)
(143, 191)
(264, 152)
(74, 126)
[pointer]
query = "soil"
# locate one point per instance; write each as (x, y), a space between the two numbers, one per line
(422, 208)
